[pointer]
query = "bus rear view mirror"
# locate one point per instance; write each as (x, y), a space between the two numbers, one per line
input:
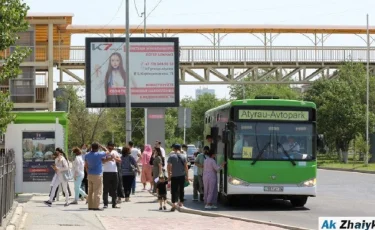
(226, 137)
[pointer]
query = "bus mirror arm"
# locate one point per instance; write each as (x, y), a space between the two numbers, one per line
(231, 125)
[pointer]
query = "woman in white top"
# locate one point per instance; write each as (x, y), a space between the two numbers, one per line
(60, 167)
(78, 173)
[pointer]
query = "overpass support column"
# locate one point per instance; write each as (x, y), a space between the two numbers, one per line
(50, 67)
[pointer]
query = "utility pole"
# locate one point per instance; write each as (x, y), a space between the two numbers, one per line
(367, 92)
(184, 125)
(128, 105)
(145, 35)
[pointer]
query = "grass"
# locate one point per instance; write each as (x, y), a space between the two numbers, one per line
(331, 161)
(355, 166)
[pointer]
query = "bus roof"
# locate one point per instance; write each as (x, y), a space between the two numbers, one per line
(266, 102)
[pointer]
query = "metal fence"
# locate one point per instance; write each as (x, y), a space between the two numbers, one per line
(7, 182)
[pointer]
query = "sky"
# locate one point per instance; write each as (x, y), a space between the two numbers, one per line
(195, 12)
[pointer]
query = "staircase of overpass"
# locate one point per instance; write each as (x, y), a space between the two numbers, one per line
(49, 37)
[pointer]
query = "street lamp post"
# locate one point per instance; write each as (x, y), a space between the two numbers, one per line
(127, 85)
(144, 34)
(367, 92)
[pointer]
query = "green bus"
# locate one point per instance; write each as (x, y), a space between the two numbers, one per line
(270, 147)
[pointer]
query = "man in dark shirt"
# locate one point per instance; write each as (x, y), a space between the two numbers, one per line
(178, 174)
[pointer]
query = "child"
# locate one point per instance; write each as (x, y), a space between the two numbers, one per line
(161, 189)
(195, 181)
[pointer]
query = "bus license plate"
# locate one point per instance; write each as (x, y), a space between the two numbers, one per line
(273, 188)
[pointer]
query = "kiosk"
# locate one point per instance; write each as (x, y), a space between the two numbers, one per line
(34, 136)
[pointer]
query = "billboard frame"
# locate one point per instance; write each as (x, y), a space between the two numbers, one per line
(88, 73)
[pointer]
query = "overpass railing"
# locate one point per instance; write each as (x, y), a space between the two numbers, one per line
(232, 54)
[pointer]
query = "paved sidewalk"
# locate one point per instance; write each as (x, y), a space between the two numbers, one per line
(141, 213)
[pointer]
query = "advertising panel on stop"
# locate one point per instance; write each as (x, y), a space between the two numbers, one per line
(38, 148)
(154, 69)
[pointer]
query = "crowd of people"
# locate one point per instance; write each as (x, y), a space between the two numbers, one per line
(100, 172)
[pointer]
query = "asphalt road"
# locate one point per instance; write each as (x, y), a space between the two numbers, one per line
(339, 194)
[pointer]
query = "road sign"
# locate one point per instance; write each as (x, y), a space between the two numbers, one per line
(181, 117)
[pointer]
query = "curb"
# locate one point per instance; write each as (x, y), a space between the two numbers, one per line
(212, 214)
(13, 218)
(347, 170)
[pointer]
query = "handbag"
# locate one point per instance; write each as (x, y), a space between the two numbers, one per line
(68, 175)
(134, 169)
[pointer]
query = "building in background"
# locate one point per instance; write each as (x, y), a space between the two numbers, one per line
(201, 91)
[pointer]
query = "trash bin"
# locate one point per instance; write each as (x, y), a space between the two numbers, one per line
(62, 101)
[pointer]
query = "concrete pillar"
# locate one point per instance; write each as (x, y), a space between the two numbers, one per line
(50, 67)
(156, 126)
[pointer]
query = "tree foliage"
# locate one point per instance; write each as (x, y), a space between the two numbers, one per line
(249, 91)
(85, 126)
(198, 108)
(100, 125)
(115, 119)
(341, 105)
(12, 21)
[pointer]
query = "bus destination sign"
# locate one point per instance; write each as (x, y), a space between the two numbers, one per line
(273, 115)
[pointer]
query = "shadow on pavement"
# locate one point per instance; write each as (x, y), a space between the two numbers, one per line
(75, 210)
(162, 211)
(145, 202)
(23, 198)
(244, 205)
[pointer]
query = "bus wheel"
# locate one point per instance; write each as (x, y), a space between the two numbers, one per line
(299, 201)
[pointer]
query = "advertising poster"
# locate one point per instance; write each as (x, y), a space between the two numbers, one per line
(38, 148)
(154, 69)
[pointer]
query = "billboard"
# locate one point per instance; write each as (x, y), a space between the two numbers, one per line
(38, 148)
(154, 71)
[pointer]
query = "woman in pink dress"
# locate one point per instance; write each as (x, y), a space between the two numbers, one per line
(146, 167)
(210, 170)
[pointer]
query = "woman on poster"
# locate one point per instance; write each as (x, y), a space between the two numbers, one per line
(115, 80)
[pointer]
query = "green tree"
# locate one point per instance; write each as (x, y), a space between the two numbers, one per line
(198, 108)
(85, 126)
(116, 126)
(12, 21)
(172, 132)
(341, 107)
(249, 91)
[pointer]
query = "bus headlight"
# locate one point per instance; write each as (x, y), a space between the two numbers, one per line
(308, 183)
(235, 181)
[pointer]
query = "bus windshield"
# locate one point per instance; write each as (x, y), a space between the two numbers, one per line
(273, 141)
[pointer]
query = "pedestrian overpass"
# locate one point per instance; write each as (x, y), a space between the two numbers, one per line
(49, 37)
(230, 64)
